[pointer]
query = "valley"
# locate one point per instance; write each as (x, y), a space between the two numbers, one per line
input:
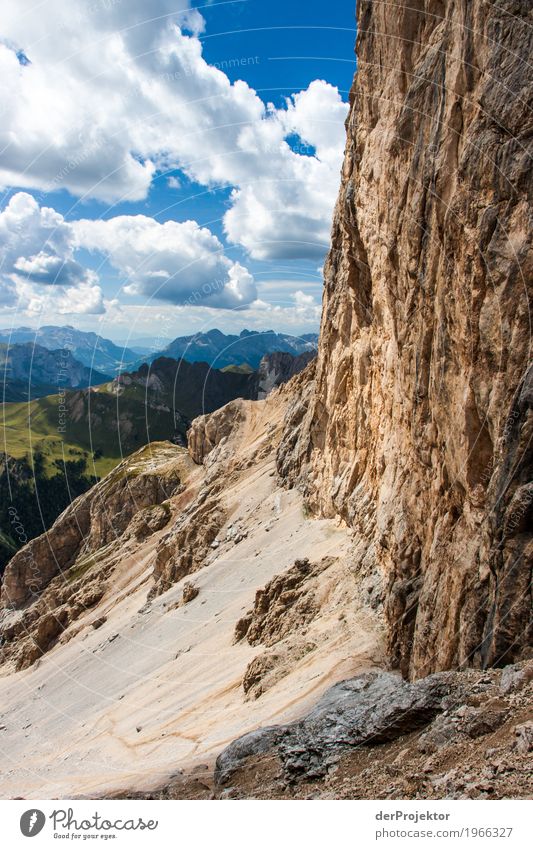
(64, 443)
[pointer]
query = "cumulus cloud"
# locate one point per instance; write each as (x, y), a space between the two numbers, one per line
(74, 111)
(108, 99)
(37, 265)
(284, 211)
(36, 244)
(47, 269)
(85, 299)
(179, 262)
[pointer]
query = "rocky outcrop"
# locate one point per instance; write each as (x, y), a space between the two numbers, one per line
(186, 547)
(33, 567)
(62, 574)
(418, 430)
(93, 520)
(438, 716)
(207, 431)
(265, 670)
(277, 368)
(369, 709)
(287, 603)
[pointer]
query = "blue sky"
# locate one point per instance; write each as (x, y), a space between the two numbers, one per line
(228, 116)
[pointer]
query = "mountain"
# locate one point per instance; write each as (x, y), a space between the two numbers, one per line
(103, 423)
(115, 418)
(88, 348)
(328, 592)
(277, 368)
(31, 371)
(418, 430)
(221, 350)
(214, 347)
(58, 446)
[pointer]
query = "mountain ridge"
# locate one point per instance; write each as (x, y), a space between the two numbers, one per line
(91, 349)
(31, 371)
(220, 349)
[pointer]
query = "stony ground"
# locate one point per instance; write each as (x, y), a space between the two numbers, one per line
(481, 749)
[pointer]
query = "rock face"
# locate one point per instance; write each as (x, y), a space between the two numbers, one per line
(418, 429)
(285, 606)
(34, 566)
(373, 708)
(277, 368)
(207, 431)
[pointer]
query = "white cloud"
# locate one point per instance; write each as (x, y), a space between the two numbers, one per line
(38, 270)
(179, 262)
(78, 114)
(49, 269)
(85, 299)
(109, 98)
(284, 211)
(150, 320)
(36, 244)
(303, 301)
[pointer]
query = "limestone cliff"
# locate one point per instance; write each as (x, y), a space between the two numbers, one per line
(193, 597)
(418, 428)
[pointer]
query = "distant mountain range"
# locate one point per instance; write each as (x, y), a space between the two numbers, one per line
(36, 363)
(249, 347)
(213, 347)
(31, 371)
(88, 348)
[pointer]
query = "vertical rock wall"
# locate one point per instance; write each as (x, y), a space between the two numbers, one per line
(418, 428)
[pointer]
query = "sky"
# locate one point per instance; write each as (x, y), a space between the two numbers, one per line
(167, 167)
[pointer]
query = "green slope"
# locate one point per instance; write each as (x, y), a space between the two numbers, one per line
(106, 423)
(7, 549)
